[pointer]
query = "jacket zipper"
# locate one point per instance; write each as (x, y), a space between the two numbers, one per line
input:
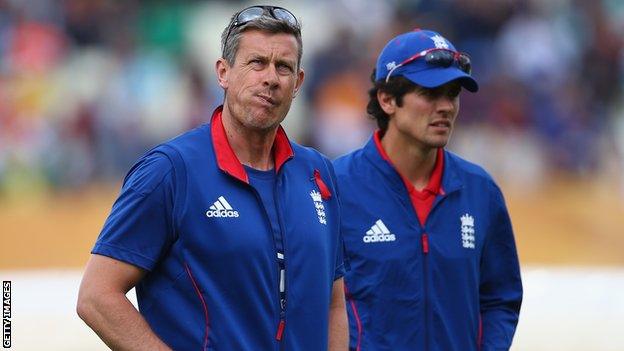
(282, 272)
(425, 250)
(281, 267)
(282, 297)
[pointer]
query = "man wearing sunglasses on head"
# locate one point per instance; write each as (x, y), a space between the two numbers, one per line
(230, 232)
(433, 263)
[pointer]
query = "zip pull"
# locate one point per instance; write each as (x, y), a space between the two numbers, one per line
(425, 243)
(282, 281)
(280, 330)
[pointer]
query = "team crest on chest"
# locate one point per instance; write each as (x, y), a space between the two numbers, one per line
(467, 231)
(318, 206)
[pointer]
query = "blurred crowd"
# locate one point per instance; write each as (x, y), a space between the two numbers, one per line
(87, 86)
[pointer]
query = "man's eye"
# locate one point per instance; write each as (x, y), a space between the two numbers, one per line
(284, 68)
(430, 93)
(255, 62)
(453, 93)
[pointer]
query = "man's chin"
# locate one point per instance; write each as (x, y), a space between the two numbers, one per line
(264, 121)
(438, 143)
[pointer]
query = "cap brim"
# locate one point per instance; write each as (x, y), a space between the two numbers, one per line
(434, 77)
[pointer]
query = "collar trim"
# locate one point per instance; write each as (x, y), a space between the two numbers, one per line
(226, 158)
(434, 186)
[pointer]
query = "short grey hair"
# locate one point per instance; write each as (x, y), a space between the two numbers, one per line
(264, 23)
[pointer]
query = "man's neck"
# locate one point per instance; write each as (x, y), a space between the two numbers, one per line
(252, 147)
(414, 161)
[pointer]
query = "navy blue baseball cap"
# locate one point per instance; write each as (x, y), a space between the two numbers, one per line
(426, 58)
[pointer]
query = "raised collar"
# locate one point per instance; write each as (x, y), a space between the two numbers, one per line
(376, 154)
(433, 186)
(226, 158)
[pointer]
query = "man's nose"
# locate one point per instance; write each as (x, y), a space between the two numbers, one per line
(445, 104)
(271, 78)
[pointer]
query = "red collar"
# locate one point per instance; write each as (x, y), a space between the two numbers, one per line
(434, 185)
(226, 158)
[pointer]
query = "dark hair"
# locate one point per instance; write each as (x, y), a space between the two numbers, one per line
(264, 23)
(397, 86)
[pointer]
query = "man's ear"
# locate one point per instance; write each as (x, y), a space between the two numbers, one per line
(387, 102)
(222, 67)
(300, 77)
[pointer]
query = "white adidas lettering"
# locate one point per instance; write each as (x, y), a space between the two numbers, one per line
(378, 233)
(221, 208)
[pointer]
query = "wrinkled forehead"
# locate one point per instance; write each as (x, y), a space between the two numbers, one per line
(267, 44)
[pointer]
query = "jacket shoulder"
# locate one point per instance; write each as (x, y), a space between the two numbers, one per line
(471, 171)
(345, 163)
(308, 154)
(469, 168)
(196, 137)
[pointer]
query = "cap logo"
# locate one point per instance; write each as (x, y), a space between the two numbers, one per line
(439, 42)
(390, 65)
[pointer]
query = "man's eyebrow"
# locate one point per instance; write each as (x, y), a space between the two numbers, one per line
(255, 55)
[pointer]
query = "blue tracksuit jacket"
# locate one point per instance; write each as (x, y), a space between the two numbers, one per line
(216, 281)
(450, 285)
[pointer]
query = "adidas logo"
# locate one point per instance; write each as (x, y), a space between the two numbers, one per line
(221, 208)
(378, 233)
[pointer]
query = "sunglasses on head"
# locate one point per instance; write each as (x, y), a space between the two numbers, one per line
(254, 12)
(440, 58)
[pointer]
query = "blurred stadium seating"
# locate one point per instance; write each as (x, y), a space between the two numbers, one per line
(87, 86)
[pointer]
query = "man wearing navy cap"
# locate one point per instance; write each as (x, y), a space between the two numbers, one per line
(428, 237)
(230, 232)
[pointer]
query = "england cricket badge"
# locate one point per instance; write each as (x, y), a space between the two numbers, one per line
(319, 196)
(467, 231)
(318, 206)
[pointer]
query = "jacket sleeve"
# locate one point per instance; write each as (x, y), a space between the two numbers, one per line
(139, 229)
(500, 288)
